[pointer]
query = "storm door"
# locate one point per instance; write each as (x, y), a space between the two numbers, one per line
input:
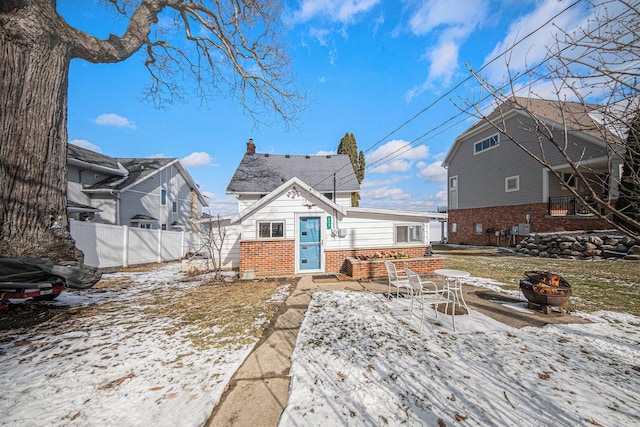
(309, 241)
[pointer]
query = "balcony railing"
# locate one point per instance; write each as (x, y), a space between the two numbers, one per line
(567, 206)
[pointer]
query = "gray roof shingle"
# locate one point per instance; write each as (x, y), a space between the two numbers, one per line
(263, 173)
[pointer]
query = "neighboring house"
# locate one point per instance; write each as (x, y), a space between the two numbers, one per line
(295, 216)
(496, 191)
(154, 193)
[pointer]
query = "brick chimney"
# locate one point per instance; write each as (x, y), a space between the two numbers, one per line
(251, 147)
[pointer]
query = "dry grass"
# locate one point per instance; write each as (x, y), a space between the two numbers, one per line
(221, 314)
(596, 285)
(210, 315)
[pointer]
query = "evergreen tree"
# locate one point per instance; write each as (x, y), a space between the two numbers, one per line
(348, 145)
(629, 197)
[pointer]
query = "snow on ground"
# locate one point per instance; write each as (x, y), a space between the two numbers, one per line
(361, 360)
(113, 369)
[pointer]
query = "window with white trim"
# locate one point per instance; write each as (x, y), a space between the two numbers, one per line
(409, 233)
(486, 144)
(163, 197)
(512, 183)
(478, 228)
(453, 192)
(270, 229)
(174, 207)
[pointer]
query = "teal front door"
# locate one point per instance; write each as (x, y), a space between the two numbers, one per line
(309, 241)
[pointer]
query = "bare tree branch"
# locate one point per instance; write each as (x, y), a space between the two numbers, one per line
(600, 61)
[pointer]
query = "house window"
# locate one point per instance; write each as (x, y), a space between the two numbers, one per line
(269, 230)
(478, 228)
(454, 227)
(512, 183)
(486, 144)
(145, 225)
(174, 207)
(409, 233)
(328, 196)
(163, 197)
(164, 227)
(569, 179)
(453, 192)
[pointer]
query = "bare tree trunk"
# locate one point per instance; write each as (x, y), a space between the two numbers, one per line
(33, 126)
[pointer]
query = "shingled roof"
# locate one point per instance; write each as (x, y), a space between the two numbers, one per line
(123, 172)
(575, 115)
(260, 173)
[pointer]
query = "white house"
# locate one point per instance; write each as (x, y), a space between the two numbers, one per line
(295, 216)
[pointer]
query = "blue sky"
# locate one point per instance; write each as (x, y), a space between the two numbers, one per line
(386, 71)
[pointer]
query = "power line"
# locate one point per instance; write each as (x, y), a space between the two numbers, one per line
(452, 90)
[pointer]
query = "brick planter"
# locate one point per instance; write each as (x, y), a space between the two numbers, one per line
(376, 268)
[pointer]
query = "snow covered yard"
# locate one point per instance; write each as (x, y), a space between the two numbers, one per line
(360, 360)
(141, 354)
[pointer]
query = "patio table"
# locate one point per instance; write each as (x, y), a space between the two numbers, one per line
(453, 281)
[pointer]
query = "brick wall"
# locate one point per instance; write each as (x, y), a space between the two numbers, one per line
(509, 216)
(268, 257)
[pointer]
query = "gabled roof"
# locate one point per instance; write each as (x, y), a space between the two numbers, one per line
(262, 173)
(577, 117)
(124, 172)
(138, 169)
(296, 183)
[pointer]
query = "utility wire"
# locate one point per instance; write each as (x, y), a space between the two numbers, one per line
(451, 90)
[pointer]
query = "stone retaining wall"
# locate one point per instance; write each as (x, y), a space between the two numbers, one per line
(596, 245)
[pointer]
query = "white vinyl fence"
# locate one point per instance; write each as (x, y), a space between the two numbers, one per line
(121, 246)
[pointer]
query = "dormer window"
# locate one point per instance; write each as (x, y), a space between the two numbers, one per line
(486, 144)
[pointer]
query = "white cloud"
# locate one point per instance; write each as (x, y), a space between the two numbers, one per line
(535, 47)
(343, 11)
(385, 193)
(445, 17)
(433, 14)
(368, 183)
(432, 172)
(325, 153)
(225, 205)
(395, 156)
(157, 156)
(86, 144)
(112, 119)
(197, 159)
(320, 34)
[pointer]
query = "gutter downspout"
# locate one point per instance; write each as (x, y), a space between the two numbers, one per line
(117, 197)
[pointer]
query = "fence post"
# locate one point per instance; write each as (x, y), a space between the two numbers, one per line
(182, 244)
(125, 246)
(159, 245)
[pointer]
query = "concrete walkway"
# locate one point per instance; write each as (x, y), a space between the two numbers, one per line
(258, 392)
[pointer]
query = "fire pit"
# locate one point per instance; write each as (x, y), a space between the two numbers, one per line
(546, 290)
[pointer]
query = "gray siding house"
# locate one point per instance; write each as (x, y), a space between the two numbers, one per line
(153, 193)
(497, 191)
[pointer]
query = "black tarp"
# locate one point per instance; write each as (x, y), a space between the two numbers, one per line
(30, 270)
